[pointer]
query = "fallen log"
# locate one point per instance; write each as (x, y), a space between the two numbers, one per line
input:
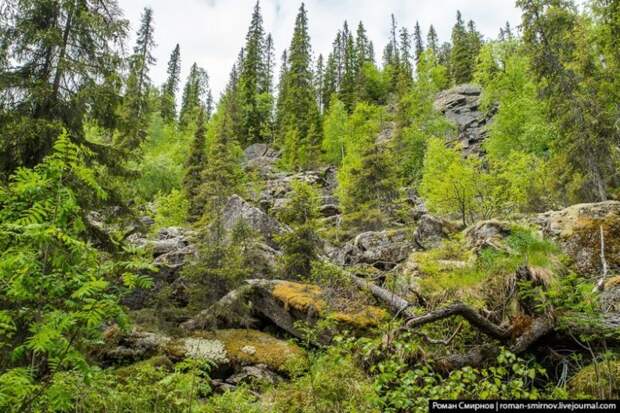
(396, 303)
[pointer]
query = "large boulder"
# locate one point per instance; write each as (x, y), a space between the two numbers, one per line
(237, 211)
(487, 234)
(382, 249)
(577, 230)
(431, 230)
(461, 104)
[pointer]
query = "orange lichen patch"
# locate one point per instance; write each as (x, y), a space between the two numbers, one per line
(367, 317)
(256, 347)
(612, 282)
(303, 297)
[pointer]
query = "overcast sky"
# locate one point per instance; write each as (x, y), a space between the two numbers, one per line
(211, 32)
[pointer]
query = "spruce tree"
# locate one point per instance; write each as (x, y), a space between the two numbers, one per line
(474, 39)
(349, 74)
(406, 65)
(168, 93)
(282, 92)
(418, 43)
(254, 80)
(363, 47)
(138, 84)
(195, 165)
(194, 94)
(222, 175)
(460, 56)
(299, 114)
(319, 73)
(330, 80)
(432, 40)
(44, 88)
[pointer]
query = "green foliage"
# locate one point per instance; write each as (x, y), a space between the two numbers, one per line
(453, 184)
(171, 209)
(57, 292)
(334, 132)
(300, 246)
(76, 76)
(162, 165)
(333, 384)
(417, 119)
(408, 389)
(367, 177)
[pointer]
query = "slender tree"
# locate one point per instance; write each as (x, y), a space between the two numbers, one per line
(138, 83)
(418, 42)
(195, 164)
(169, 89)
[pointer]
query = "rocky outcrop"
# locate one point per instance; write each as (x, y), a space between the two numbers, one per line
(260, 158)
(577, 230)
(237, 211)
(487, 234)
(431, 230)
(278, 189)
(461, 105)
(171, 248)
(382, 249)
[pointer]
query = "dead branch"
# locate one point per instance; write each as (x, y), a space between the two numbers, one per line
(468, 313)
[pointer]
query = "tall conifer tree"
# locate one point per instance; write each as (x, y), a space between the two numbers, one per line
(138, 83)
(168, 94)
(299, 115)
(418, 42)
(432, 40)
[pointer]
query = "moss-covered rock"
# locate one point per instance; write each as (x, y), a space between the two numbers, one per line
(255, 347)
(577, 230)
(600, 381)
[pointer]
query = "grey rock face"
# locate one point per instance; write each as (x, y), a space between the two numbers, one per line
(237, 210)
(461, 105)
(431, 230)
(383, 249)
(278, 187)
(261, 158)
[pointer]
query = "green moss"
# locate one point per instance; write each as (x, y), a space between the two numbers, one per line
(600, 381)
(160, 363)
(365, 318)
(255, 347)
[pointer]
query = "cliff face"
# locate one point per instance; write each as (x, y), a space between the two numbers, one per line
(461, 105)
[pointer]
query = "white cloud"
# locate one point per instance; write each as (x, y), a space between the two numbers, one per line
(211, 32)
